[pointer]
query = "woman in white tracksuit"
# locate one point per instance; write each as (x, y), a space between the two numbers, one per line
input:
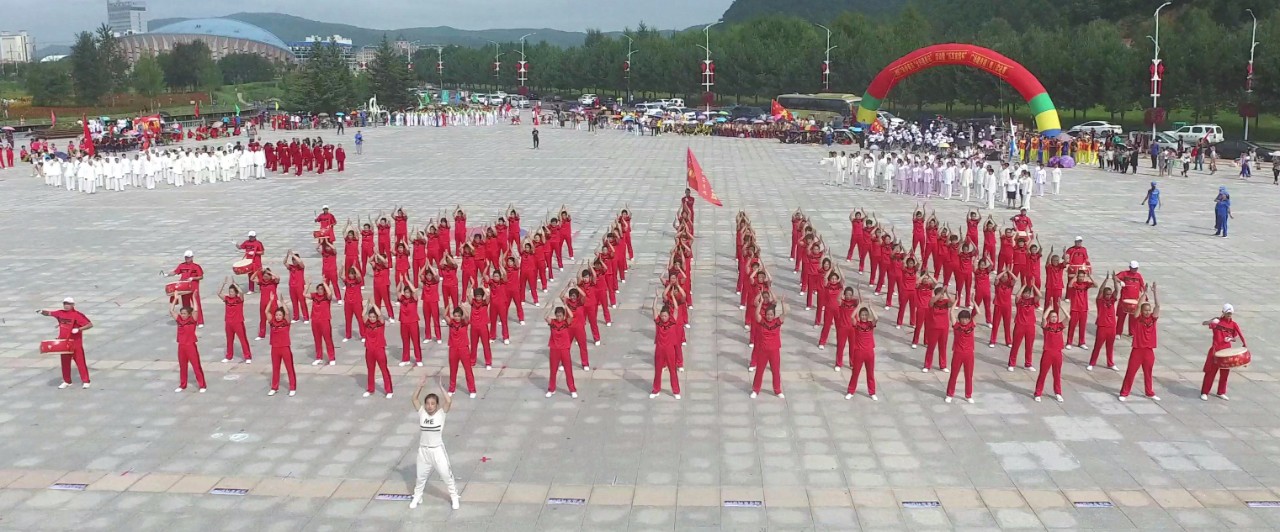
(431, 452)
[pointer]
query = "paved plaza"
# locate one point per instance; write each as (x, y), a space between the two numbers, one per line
(613, 459)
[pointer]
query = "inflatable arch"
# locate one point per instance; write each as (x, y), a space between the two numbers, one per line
(963, 55)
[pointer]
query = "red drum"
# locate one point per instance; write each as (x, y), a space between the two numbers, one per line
(242, 266)
(1128, 304)
(1233, 357)
(322, 235)
(56, 347)
(180, 288)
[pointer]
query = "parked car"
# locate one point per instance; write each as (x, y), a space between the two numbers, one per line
(587, 99)
(1231, 149)
(744, 111)
(1096, 127)
(1192, 134)
(889, 119)
(520, 101)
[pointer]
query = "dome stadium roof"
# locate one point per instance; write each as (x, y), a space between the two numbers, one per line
(222, 27)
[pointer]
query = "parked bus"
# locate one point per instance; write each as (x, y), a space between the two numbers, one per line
(822, 106)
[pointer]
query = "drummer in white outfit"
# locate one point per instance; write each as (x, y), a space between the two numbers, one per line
(431, 452)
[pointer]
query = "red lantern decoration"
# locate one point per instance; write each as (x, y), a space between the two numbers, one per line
(439, 67)
(496, 66)
(1157, 76)
(626, 66)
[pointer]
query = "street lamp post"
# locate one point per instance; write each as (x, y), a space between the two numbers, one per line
(497, 53)
(708, 68)
(1156, 71)
(440, 65)
(826, 63)
(1248, 81)
(523, 68)
(626, 70)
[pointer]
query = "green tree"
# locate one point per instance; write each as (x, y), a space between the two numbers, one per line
(87, 72)
(148, 77)
(113, 64)
(182, 65)
(323, 84)
(389, 77)
(209, 76)
(50, 83)
(246, 68)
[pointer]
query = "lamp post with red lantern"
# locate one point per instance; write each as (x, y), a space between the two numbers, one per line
(626, 65)
(826, 63)
(1157, 73)
(708, 69)
(522, 66)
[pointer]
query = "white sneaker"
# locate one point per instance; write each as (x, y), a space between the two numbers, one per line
(754, 395)
(573, 395)
(822, 347)
(751, 369)
(292, 393)
(1067, 347)
(258, 338)
(303, 321)
(1154, 397)
(332, 362)
(420, 364)
(506, 341)
(201, 326)
(549, 394)
(874, 398)
(848, 396)
(178, 390)
(487, 367)
(1031, 368)
(1088, 368)
(225, 360)
(522, 321)
(248, 361)
(654, 396)
(1083, 346)
(403, 364)
(586, 368)
(317, 362)
(454, 502)
(1204, 397)
(836, 368)
(781, 396)
(610, 324)
(742, 307)
(946, 370)
(914, 346)
(947, 399)
(367, 394)
(1037, 398)
(271, 393)
(1114, 368)
(414, 503)
(680, 369)
(897, 327)
(677, 396)
(1123, 398)
(1058, 397)
(597, 342)
(924, 370)
(1010, 368)
(389, 396)
(345, 340)
(970, 399)
(202, 390)
(439, 340)
(472, 395)
(64, 385)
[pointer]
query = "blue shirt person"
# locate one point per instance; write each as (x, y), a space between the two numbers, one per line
(1221, 212)
(1152, 201)
(359, 142)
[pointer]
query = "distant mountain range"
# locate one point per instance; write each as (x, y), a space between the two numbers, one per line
(290, 28)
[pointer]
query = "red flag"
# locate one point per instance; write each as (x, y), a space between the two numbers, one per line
(697, 180)
(53, 119)
(778, 110)
(197, 108)
(88, 138)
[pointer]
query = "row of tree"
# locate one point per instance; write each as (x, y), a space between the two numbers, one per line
(1097, 64)
(97, 67)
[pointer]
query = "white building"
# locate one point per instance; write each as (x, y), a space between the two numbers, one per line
(127, 17)
(17, 47)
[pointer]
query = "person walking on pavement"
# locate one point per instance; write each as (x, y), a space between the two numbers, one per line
(1152, 201)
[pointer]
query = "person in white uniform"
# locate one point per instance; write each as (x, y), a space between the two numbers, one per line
(431, 452)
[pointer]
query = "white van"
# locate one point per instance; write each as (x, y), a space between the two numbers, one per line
(1193, 134)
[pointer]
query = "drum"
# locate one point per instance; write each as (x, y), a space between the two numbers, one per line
(56, 347)
(1233, 357)
(1023, 234)
(180, 288)
(1128, 305)
(242, 266)
(322, 235)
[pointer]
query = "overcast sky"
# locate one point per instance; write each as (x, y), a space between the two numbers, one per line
(56, 21)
